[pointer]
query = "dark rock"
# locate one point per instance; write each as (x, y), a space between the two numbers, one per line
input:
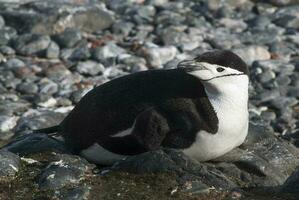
(27, 88)
(291, 184)
(69, 38)
(6, 34)
(9, 163)
(65, 171)
(78, 193)
(31, 44)
(48, 17)
(2, 22)
(81, 53)
(35, 143)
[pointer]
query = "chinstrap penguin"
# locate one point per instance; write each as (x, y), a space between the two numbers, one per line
(200, 107)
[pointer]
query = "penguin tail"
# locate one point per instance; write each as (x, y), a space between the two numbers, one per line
(51, 131)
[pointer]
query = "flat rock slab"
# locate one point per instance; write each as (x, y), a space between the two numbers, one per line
(49, 17)
(267, 162)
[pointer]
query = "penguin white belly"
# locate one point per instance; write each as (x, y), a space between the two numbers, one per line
(99, 155)
(232, 131)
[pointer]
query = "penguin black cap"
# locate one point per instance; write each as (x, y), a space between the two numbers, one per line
(224, 58)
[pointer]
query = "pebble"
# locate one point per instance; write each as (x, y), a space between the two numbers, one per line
(69, 38)
(6, 50)
(9, 164)
(27, 88)
(33, 120)
(53, 50)
(7, 123)
(31, 44)
(158, 56)
(253, 53)
(67, 170)
(90, 68)
(110, 50)
(6, 34)
(52, 54)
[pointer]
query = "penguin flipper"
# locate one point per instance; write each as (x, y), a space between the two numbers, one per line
(150, 129)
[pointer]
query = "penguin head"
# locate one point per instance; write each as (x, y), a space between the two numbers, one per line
(217, 69)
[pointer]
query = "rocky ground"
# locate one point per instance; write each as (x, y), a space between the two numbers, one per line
(53, 52)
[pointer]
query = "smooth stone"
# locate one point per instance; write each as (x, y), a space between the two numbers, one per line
(2, 22)
(82, 53)
(57, 72)
(6, 34)
(110, 50)
(158, 56)
(33, 120)
(53, 50)
(268, 95)
(31, 44)
(47, 86)
(7, 123)
(76, 96)
(45, 101)
(9, 164)
(50, 17)
(233, 24)
(27, 88)
(267, 76)
(282, 2)
(67, 170)
(34, 143)
(122, 28)
(14, 63)
(7, 50)
(252, 53)
(90, 68)
(69, 38)
(293, 91)
(8, 107)
(291, 185)
(274, 65)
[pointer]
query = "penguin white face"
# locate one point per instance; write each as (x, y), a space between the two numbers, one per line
(207, 72)
(217, 69)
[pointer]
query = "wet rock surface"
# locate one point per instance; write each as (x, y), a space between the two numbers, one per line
(53, 52)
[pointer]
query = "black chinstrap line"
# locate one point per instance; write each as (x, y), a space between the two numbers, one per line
(224, 76)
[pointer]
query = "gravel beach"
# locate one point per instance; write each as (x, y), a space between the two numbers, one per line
(52, 52)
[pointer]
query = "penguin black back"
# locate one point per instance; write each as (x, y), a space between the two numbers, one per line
(113, 106)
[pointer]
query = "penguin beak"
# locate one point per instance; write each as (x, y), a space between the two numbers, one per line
(191, 65)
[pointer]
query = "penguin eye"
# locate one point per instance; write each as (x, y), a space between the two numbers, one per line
(220, 69)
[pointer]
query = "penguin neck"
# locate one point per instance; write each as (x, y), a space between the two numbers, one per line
(230, 94)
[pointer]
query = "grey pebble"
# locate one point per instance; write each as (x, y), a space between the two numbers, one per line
(9, 164)
(90, 68)
(68, 38)
(31, 44)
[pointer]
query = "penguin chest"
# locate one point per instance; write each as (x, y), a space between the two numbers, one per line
(232, 131)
